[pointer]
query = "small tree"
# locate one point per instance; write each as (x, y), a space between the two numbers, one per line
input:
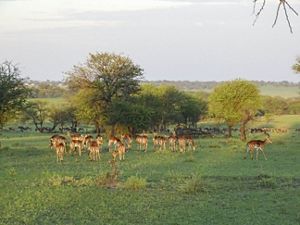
(235, 102)
(13, 92)
(38, 112)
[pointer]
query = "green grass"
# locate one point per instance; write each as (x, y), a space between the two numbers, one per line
(212, 185)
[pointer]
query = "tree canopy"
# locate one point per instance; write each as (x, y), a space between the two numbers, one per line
(296, 66)
(13, 92)
(235, 102)
(104, 78)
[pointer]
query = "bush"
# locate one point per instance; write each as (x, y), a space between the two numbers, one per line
(135, 183)
(266, 181)
(193, 185)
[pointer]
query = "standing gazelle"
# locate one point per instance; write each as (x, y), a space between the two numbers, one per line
(257, 145)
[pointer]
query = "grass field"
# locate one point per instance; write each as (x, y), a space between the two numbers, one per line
(212, 185)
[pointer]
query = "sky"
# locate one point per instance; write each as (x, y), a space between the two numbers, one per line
(195, 40)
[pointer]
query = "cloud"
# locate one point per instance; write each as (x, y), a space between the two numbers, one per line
(16, 15)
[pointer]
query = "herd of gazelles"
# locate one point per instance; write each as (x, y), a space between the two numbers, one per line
(119, 146)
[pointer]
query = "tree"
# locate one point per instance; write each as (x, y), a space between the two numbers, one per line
(13, 91)
(62, 116)
(296, 66)
(235, 102)
(275, 105)
(105, 77)
(38, 112)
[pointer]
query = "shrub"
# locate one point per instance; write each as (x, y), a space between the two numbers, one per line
(266, 181)
(193, 185)
(135, 183)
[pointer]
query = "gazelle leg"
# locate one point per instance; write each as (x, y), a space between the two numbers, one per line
(263, 153)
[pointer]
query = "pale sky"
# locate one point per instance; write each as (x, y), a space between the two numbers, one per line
(170, 39)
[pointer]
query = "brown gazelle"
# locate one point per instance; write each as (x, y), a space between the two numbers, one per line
(127, 140)
(182, 143)
(142, 141)
(58, 139)
(257, 145)
(190, 143)
(172, 142)
(95, 148)
(113, 141)
(59, 149)
(120, 151)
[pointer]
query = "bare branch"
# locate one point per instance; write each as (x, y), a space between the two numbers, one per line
(287, 16)
(294, 11)
(277, 14)
(260, 10)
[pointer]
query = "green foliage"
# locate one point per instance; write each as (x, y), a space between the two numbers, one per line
(274, 105)
(37, 112)
(135, 183)
(47, 89)
(103, 78)
(296, 66)
(234, 101)
(13, 92)
(193, 185)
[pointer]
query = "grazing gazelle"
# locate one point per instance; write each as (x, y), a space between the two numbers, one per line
(257, 145)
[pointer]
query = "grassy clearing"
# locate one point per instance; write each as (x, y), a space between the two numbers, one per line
(212, 185)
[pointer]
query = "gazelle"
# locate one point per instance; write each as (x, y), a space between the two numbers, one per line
(159, 142)
(172, 142)
(76, 145)
(120, 151)
(257, 145)
(142, 141)
(95, 148)
(113, 141)
(190, 143)
(57, 138)
(59, 149)
(127, 140)
(182, 143)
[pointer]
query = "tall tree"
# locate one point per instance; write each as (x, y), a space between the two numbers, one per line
(235, 102)
(13, 91)
(106, 77)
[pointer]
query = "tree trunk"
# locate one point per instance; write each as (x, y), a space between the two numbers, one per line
(229, 131)
(243, 136)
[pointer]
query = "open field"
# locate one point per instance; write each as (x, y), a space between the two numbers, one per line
(212, 185)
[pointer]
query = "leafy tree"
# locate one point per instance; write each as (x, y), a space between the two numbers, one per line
(296, 66)
(168, 105)
(62, 116)
(191, 108)
(13, 91)
(105, 77)
(274, 105)
(38, 112)
(235, 102)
